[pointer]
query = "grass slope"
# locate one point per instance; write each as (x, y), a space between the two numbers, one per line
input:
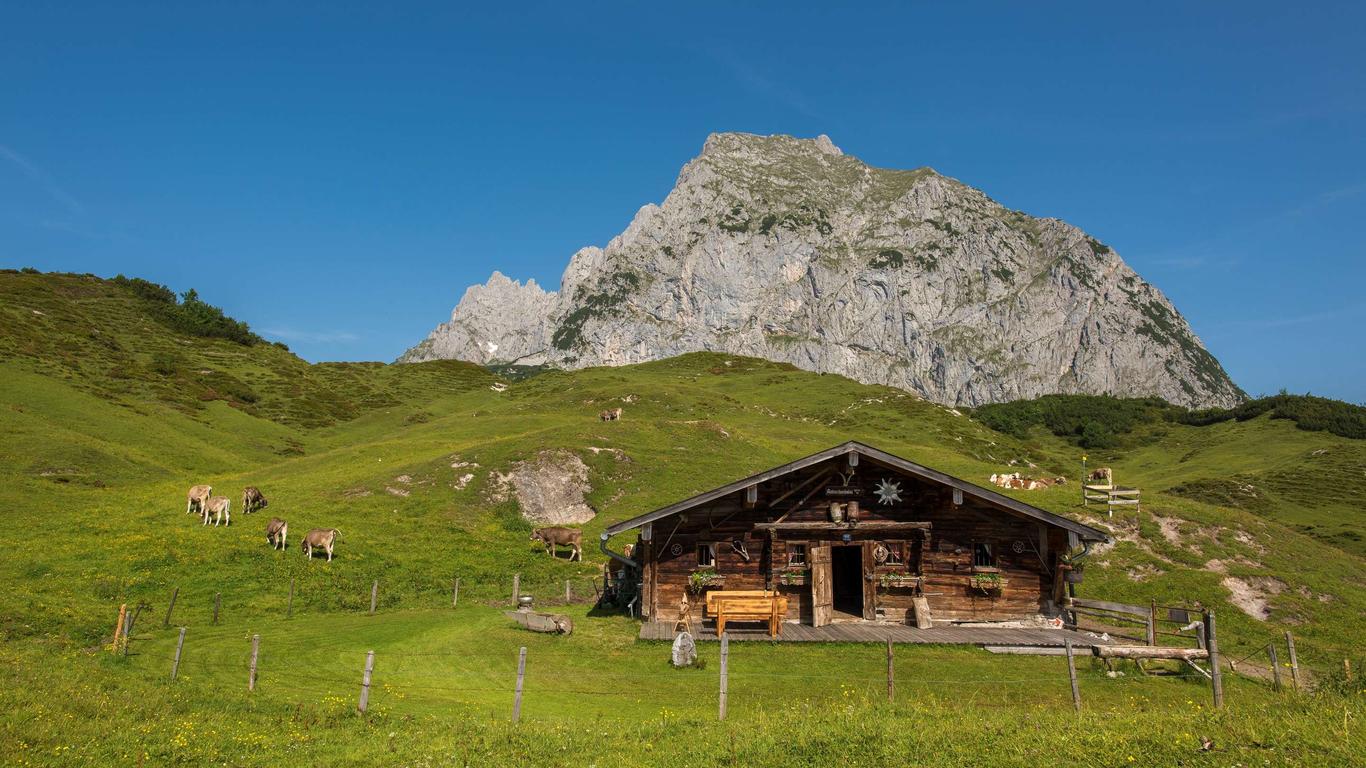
(97, 448)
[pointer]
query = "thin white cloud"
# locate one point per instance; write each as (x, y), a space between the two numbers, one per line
(42, 179)
(311, 337)
(1286, 321)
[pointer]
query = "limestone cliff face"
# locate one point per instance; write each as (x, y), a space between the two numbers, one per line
(789, 250)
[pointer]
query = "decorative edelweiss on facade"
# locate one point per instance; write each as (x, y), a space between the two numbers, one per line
(888, 492)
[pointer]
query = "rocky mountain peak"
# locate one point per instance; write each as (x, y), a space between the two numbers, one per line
(790, 250)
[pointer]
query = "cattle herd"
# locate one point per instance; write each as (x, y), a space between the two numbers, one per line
(200, 499)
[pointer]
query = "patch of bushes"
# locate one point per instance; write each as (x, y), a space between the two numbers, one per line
(1101, 421)
(888, 258)
(188, 314)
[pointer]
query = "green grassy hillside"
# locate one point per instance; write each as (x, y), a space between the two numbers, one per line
(108, 413)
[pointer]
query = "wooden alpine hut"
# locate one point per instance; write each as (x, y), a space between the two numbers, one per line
(854, 534)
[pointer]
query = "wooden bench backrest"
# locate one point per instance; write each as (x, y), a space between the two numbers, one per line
(761, 607)
(715, 594)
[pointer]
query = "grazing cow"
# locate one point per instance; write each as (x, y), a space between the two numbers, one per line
(613, 414)
(277, 532)
(323, 538)
(560, 537)
(252, 499)
(219, 508)
(1101, 476)
(195, 499)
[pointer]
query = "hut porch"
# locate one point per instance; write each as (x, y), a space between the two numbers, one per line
(872, 632)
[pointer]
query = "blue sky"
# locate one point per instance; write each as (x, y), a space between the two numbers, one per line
(336, 175)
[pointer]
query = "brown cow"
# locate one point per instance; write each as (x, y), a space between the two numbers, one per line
(195, 499)
(1101, 476)
(613, 414)
(323, 538)
(253, 499)
(219, 508)
(560, 537)
(277, 532)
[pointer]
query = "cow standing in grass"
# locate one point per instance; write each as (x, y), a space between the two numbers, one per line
(322, 538)
(219, 508)
(560, 537)
(252, 499)
(277, 532)
(613, 414)
(197, 498)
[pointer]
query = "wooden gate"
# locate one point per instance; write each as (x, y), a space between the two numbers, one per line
(822, 590)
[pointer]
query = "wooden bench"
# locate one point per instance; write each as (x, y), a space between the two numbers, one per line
(747, 605)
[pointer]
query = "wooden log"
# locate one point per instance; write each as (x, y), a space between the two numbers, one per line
(862, 525)
(517, 692)
(170, 607)
(1275, 667)
(1141, 611)
(553, 623)
(255, 650)
(374, 596)
(175, 663)
(1212, 648)
(725, 661)
(365, 681)
(1148, 652)
(1072, 676)
(1294, 661)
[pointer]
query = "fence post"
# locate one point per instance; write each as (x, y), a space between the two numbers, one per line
(1212, 646)
(1072, 677)
(289, 607)
(567, 596)
(1152, 622)
(365, 681)
(119, 625)
(455, 591)
(128, 628)
(1294, 661)
(1275, 666)
(179, 643)
(170, 607)
(725, 663)
(891, 680)
(374, 596)
(1347, 669)
(217, 601)
(255, 649)
(517, 693)
(516, 586)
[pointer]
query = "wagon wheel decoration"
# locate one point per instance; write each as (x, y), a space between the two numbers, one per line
(676, 549)
(1018, 547)
(880, 553)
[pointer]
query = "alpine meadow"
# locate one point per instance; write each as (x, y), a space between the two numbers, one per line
(116, 396)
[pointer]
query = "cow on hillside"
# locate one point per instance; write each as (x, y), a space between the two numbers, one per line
(322, 538)
(612, 414)
(1101, 476)
(253, 499)
(196, 498)
(560, 537)
(219, 508)
(277, 532)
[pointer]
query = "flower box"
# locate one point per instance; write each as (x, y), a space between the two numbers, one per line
(987, 582)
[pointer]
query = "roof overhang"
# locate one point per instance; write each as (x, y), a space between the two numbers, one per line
(1083, 531)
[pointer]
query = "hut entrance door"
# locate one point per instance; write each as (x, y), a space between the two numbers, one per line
(822, 590)
(846, 566)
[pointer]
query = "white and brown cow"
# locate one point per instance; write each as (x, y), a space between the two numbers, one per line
(219, 508)
(320, 538)
(556, 536)
(253, 499)
(1101, 476)
(612, 414)
(277, 533)
(197, 497)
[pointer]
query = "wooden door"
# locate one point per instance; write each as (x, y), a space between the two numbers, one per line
(822, 590)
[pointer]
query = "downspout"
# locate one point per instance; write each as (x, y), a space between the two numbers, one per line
(602, 545)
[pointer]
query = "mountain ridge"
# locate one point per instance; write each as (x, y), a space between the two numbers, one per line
(790, 250)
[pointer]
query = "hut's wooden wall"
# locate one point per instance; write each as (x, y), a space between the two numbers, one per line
(942, 557)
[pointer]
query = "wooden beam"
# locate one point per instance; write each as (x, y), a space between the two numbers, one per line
(1142, 611)
(800, 486)
(865, 525)
(1148, 652)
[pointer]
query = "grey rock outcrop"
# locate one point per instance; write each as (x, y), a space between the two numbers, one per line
(549, 489)
(787, 249)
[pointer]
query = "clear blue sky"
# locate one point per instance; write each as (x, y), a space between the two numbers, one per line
(337, 176)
